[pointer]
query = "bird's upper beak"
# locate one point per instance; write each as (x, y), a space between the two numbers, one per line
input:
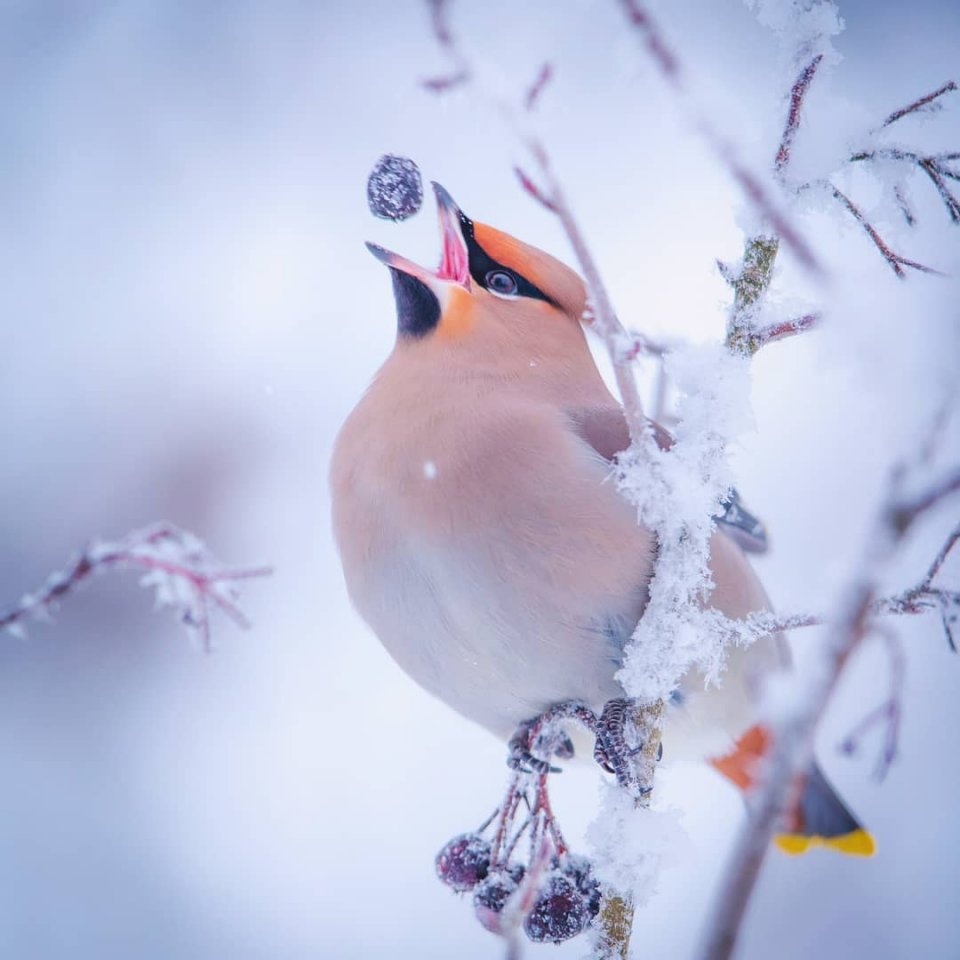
(454, 263)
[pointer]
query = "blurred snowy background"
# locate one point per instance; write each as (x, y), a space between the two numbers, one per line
(188, 313)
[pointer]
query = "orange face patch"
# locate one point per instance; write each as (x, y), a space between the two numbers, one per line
(504, 249)
(556, 281)
(457, 318)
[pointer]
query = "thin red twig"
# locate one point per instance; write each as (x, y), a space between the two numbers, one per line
(538, 86)
(785, 329)
(661, 54)
(896, 262)
(185, 574)
(935, 166)
(920, 103)
(752, 187)
(797, 95)
(534, 191)
(889, 714)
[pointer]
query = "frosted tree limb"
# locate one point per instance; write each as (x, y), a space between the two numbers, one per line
(921, 103)
(753, 188)
(792, 736)
(797, 94)
(751, 283)
(937, 167)
(184, 573)
(895, 260)
(924, 597)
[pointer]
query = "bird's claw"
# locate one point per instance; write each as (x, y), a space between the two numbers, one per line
(519, 755)
(611, 750)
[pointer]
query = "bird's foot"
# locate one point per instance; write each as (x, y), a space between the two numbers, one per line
(612, 751)
(520, 751)
(543, 737)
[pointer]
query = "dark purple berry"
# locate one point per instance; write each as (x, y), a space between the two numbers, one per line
(491, 896)
(559, 912)
(464, 861)
(394, 188)
(579, 871)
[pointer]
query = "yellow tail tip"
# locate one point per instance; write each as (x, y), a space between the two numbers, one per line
(857, 843)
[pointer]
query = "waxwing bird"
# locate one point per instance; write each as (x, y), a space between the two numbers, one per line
(479, 536)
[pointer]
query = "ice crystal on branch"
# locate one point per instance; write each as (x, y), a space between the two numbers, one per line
(678, 492)
(176, 564)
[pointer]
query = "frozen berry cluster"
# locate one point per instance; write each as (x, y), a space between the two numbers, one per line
(566, 899)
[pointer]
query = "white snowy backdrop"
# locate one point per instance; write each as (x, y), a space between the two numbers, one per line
(188, 313)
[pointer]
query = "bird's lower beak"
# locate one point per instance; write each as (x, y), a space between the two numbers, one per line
(454, 262)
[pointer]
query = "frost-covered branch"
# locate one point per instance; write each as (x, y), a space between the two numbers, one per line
(792, 734)
(895, 260)
(185, 575)
(751, 283)
(923, 597)
(797, 94)
(938, 167)
(755, 191)
(925, 102)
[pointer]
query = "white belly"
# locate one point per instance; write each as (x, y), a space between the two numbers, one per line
(461, 630)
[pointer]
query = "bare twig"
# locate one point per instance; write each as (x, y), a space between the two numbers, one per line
(923, 597)
(184, 573)
(897, 262)
(797, 94)
(920, 103)
(752, 186)
(603, 319)
(653, 39)
(889, 713)
(750, 285)
(785, 329)
(792, 742)
(544, 77)
(937, 167)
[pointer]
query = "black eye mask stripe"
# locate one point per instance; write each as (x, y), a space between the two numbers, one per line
(481, 263)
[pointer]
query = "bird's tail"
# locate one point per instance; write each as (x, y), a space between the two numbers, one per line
(820, 817)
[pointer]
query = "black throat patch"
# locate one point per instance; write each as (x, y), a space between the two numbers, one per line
(418, 309)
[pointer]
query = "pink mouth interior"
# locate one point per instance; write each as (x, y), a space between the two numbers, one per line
(453, 263)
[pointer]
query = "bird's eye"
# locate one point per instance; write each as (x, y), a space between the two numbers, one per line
(499, 281)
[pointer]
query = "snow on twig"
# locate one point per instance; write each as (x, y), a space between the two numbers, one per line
(185, 575)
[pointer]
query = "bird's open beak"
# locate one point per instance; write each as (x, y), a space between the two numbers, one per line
(454, 262)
